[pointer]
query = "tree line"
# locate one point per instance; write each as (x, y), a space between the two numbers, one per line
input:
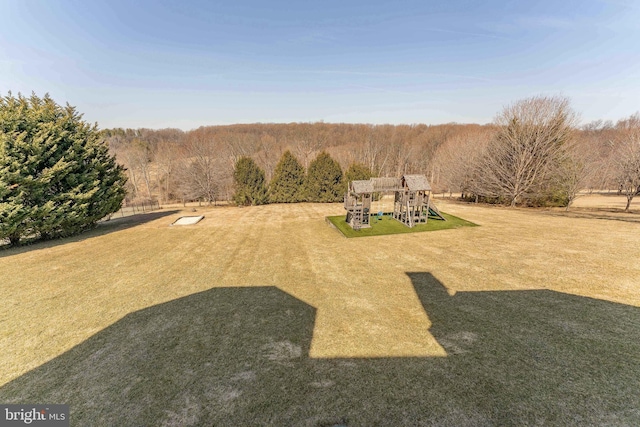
(534, 153)
(59, 175)
(322, 181)
(173, 165)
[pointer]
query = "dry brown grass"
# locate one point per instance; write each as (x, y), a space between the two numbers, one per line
(56, 295)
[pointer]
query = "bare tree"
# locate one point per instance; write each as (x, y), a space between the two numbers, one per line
(457, 161)
(200, 170)
(237, 145)
(135, 156)
(166, 156)
(165, 146)
(595, 139)
(268, 154)
(372, 151)
(403, 151)
(307, 142)
(532, 134)
(573, 171)
(627, 157)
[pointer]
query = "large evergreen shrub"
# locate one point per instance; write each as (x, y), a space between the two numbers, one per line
(287, 184)
(250, 183)
(56, 175)
(356, 172)
(324, 180)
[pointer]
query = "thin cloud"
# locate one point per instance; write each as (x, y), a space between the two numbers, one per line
(467, 33)
(423, 96)
(374, 74)
(381, 89)
(551, 22)
(628, 4)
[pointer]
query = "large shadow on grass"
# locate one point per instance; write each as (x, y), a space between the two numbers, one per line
(102, 228)
(239, 357)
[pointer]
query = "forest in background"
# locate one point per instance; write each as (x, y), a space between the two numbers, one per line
(171, 165)
(160, 163)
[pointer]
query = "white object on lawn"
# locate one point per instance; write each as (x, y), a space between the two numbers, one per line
(188, 220)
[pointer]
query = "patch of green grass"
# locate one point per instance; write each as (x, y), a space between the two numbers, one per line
(387, 225)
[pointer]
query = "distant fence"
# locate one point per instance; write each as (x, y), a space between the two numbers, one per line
(133, 208)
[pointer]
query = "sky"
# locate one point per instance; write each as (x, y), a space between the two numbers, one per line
(186, 64)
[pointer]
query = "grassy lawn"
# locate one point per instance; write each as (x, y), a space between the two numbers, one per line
(387, 225)
(240, 356)
(267, 316)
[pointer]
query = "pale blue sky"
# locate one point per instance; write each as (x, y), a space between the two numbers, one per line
(185, 64)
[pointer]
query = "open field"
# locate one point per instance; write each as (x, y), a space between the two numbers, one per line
(386, 330)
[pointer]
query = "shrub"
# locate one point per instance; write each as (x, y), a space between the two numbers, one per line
(56, 175)
(250, 183)
(287, 184)
(324, 180)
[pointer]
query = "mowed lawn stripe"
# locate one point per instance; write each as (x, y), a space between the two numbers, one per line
(59, 294)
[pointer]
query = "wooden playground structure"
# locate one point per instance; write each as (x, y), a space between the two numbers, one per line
(412, 203)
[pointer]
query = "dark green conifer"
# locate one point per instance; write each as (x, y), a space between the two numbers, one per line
(56, 175)
(324, 180)
(250, 183)
(356, 172)
(287, 184)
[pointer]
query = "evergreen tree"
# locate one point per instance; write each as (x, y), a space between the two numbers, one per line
(356, 172)
(324, 180)
(250, 183)
(287, 184)
(56, 175)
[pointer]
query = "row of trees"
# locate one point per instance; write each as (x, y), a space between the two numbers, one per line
(322, 182)
(534, 153)
(173, 165)
(57, 176)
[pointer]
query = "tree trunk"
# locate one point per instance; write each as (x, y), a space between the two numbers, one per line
(566, 209)
(145, 175)
(134, 181)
